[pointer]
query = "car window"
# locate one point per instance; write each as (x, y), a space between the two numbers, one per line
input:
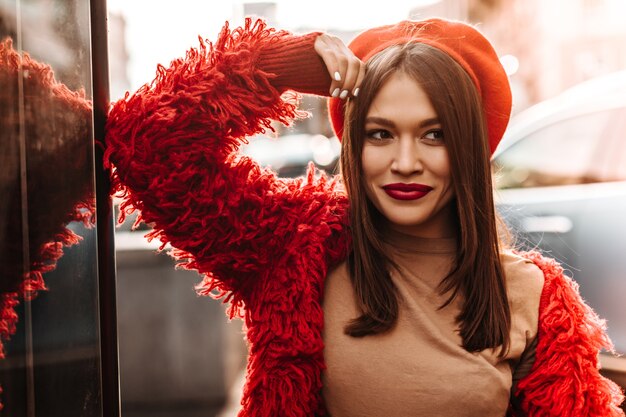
(580, 150)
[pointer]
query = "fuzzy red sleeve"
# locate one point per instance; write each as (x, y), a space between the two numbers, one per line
(173, 145)
(565, 380)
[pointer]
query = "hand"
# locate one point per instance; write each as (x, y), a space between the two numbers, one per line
(345, 69)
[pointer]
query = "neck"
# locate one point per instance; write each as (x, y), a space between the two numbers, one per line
(442, 226)
(400, 241)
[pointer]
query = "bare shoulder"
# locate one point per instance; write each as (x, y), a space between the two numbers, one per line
(524, 279)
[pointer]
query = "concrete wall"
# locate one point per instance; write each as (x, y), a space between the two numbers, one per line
(176, 349)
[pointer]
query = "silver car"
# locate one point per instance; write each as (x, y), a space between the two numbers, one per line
(560, 175)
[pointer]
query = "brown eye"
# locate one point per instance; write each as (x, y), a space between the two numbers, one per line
(378, 134)
(434, 135)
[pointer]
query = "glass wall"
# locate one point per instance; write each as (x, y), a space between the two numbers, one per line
(49, 269)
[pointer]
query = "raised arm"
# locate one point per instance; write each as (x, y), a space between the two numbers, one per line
(173, 149)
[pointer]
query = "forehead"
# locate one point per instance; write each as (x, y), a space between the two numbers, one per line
(401, 99)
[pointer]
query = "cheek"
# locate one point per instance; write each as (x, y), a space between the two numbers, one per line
(372, 168)
(444, 175)
(440, 164)
(371, 161)
(444, 170)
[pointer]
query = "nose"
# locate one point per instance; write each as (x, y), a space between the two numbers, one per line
(407, 160)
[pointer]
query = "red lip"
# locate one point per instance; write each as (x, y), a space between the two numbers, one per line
(402, 191)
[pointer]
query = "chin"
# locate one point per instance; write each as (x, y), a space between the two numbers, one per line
(404, 220)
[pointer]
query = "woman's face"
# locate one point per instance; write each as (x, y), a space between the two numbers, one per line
(405, 162)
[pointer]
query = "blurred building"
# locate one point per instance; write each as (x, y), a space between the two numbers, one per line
(44, 34)
(451, 9)
(118, 56)
(552, 45)
(265, 9)
(558, 43)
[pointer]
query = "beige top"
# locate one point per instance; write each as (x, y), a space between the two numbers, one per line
(419, 367)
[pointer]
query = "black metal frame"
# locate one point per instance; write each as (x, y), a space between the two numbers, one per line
(104, 215)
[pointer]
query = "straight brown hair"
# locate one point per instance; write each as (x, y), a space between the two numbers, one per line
(476, 274)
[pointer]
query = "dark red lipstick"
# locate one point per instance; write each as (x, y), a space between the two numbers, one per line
(402, 191)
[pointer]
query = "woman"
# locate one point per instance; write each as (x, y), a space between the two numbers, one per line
(385, 292)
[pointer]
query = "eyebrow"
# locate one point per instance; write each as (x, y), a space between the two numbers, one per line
(388, 123)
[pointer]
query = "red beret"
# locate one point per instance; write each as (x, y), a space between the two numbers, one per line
(460, 41)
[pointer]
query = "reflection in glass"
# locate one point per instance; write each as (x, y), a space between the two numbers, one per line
(51, 344)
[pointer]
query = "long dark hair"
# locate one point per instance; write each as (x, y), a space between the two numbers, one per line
(476, 274)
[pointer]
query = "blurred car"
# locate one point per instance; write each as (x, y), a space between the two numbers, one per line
(289, 155)
(560, 174)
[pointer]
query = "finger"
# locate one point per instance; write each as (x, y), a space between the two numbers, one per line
(359, 79)
(355, 70)
(329, 49)
(326, 50)
(352, 72)
(343, 64)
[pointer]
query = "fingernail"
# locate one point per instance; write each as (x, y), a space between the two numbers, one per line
(343, 94)
(356, 92)
(336, 92)
(337, 76)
